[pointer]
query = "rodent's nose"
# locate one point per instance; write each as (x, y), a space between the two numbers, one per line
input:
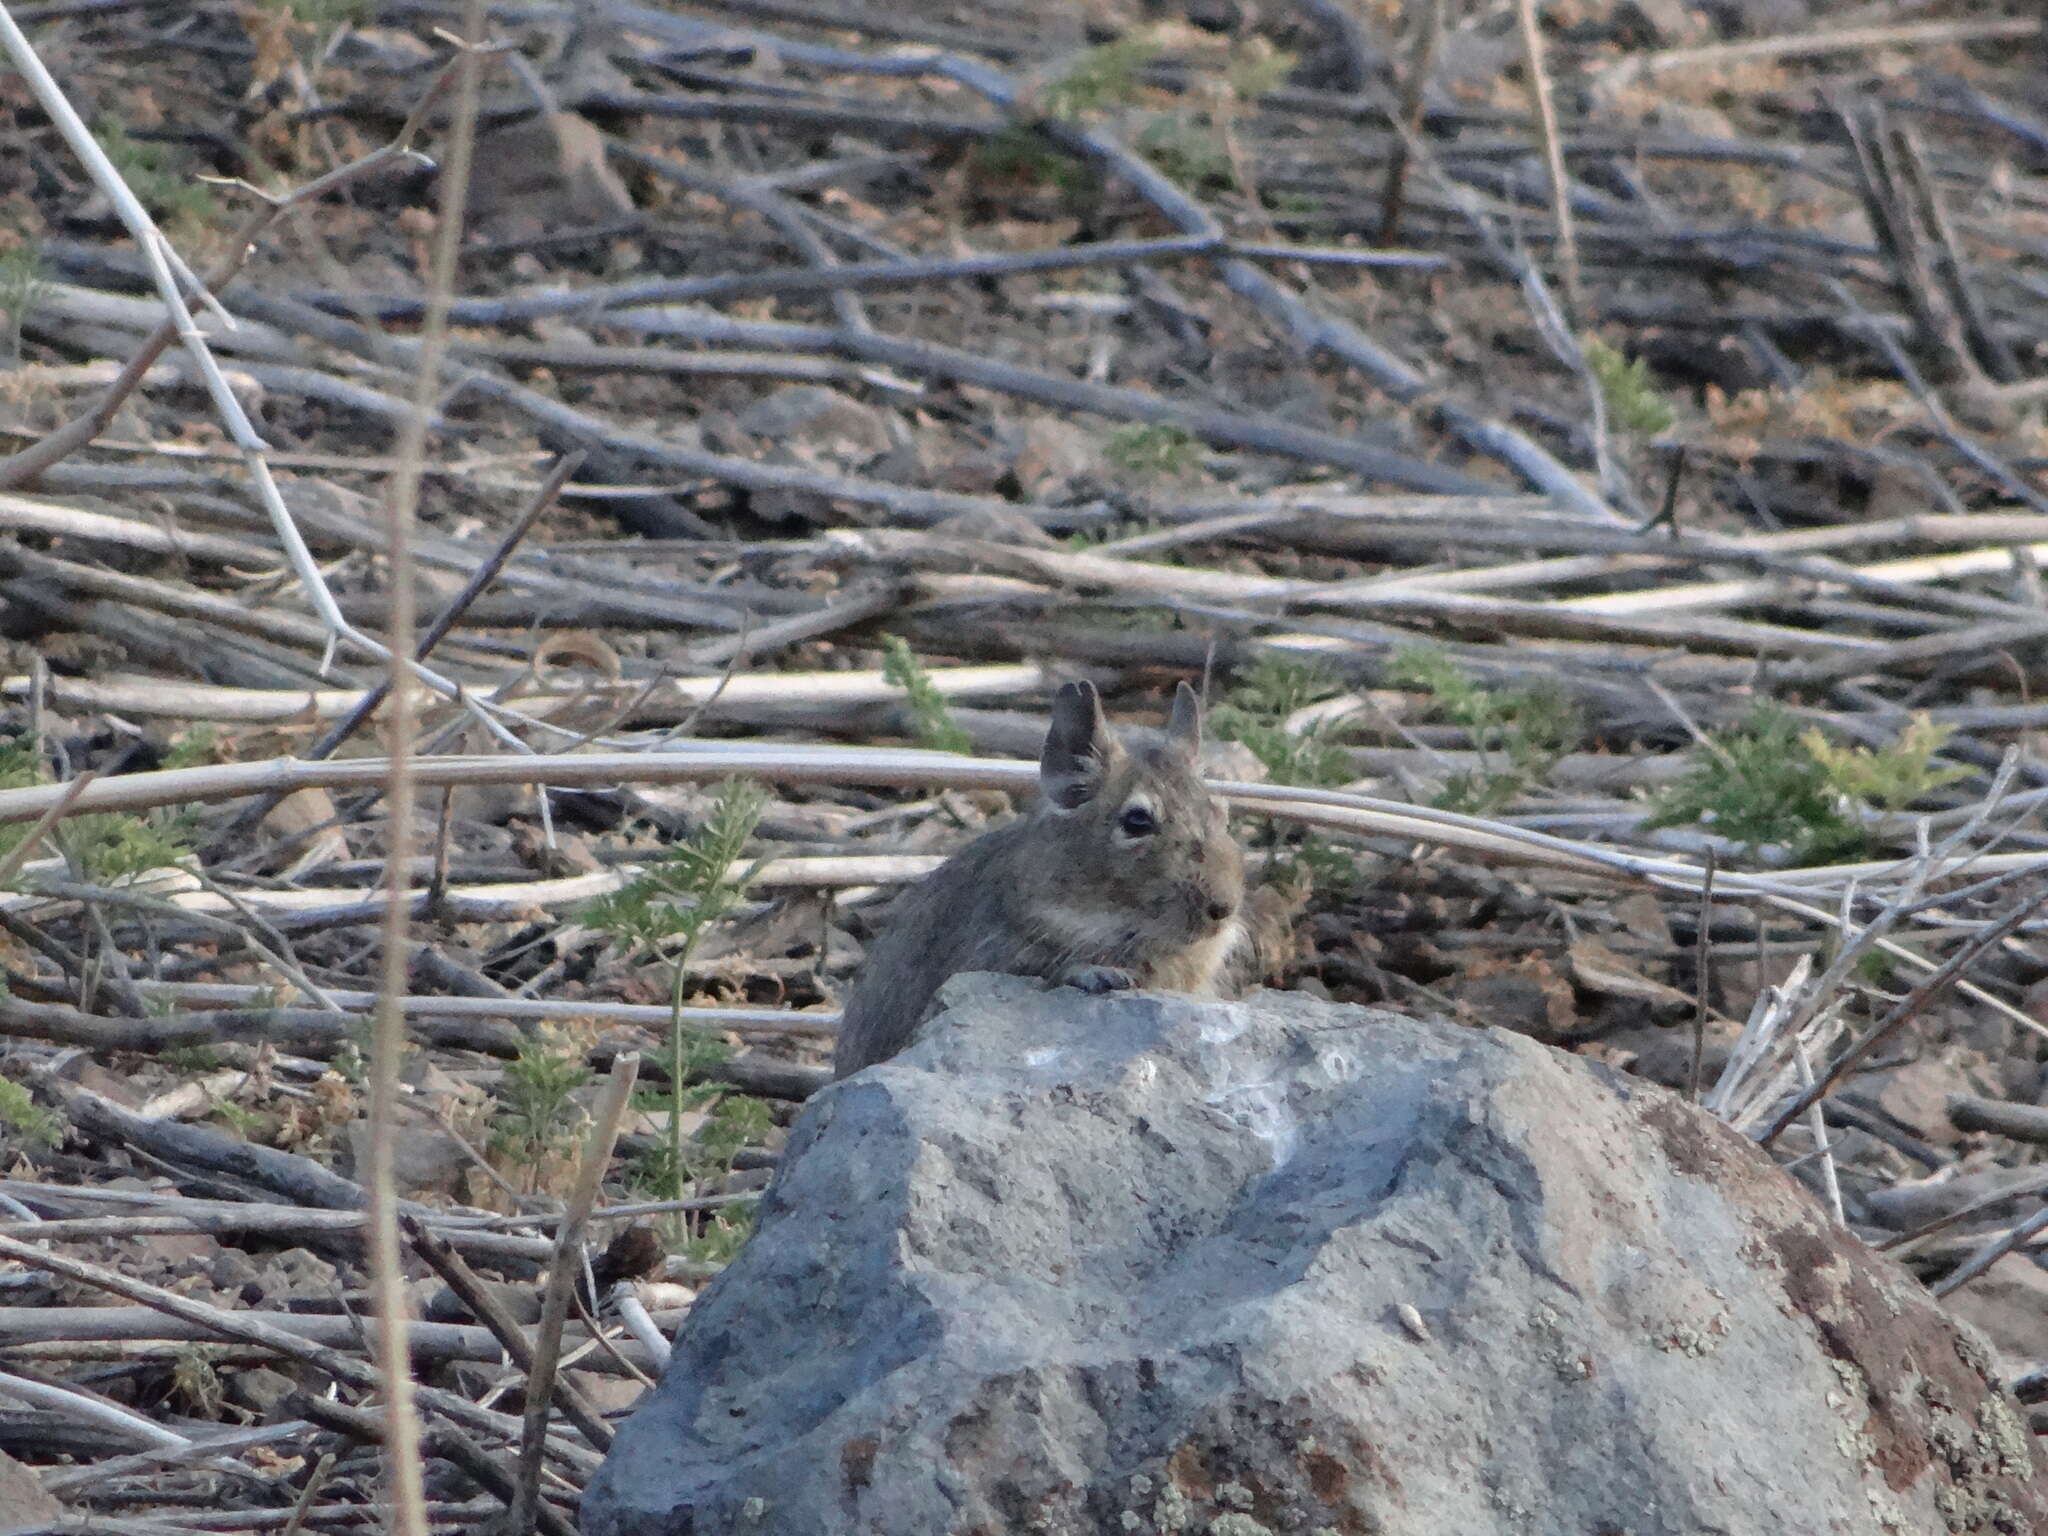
(1219, 910)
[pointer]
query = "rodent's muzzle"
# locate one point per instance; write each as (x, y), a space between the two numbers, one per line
(1208, 910)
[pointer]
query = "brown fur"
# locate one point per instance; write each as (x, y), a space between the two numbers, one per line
(1068, 893)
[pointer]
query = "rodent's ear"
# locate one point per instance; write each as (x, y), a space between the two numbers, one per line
(1078, 749)
(1184, 726)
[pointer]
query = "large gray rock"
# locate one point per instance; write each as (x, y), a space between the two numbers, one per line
(1152, 1265)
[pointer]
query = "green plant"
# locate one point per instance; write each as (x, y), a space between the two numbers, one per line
(735, 1121)
(1893, 777)
(1257, 68)
(1519, 733)
(102, 847)
(109, 848)
(168, 194)
(195, 1378)
(1255, 711)
(23, 285)
(1329, 866)
(1757, 784)
(192, 749)
(665, 1167)
(1766, 782)
(1021, 153)
(245, 1122)
(739, 1120)
(670, 905)
(1101, 78)
(1632, 399)
(721, 1235)
(1190, 149)
(537, 1119)
(1153, 448)
(324, 17)
(351, 1059)
(929, 714)
(25, 1119)
(20, 767)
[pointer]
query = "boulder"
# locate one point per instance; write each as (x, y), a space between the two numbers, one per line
(545, 175)
(1151, 1264)
(23, 1504)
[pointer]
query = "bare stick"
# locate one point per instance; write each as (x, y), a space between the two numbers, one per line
(402, 1452)
(440, 1254)
(597, 1154)
(2020, 1122)
(10, 866)
(449, 1443)
(1553, 159)
(315, 1481)
(90, 1408)
(1907, 1008)
(171, 276)
(235, 1327)
(1816, 1124)
(479, 580)
(24, 467)
(1703, 971)
(1428, 21)
(1978, 1262)
(157, 254)
(1798, 45)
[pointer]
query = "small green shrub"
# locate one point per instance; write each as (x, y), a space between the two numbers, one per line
(1765, 782)
(26, 1121)
(196, 1384)
(1757, 784)
(668, 907)
(1255, 710)
(1257, 68)
(1190, 149)
(1891, 778)
(107, 849)
(739, 1120)
(537, 1120)
(1102, 78)
(23, 285)
(170, 195)
(735, 1120)
(1253, 714)
(102, 848)
(1633, 401)
(690, 887)
(192, 749)
(1326, 864)
(929, 714)
(247, 1123)
(324, 18)
(1153, 448)
(1524, 730)
(720, 1235)
(1020, 153)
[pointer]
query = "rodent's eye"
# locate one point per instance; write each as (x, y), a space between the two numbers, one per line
(1136, 821)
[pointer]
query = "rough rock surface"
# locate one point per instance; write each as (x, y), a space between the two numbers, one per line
(23, 1504)
(1152, 1265)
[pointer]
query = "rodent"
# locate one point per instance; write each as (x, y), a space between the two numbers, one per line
(1124, 874)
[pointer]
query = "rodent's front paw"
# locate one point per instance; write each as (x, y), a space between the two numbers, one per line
(1098, 979)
